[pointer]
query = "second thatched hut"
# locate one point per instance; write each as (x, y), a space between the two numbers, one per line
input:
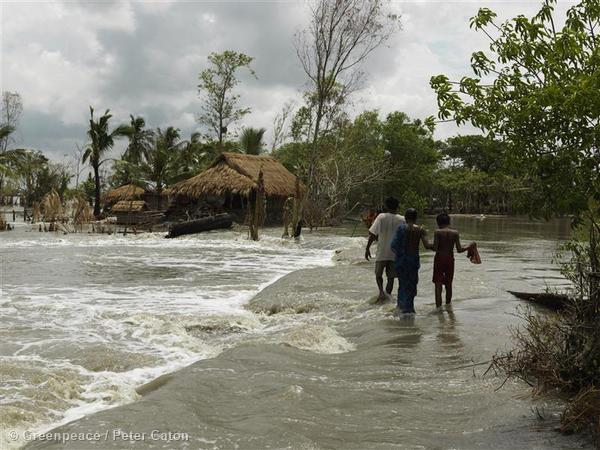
(124, 192)
(131, 192)
(234, 181)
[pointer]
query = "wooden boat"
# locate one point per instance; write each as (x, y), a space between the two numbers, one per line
(221, 221)
(548, 300)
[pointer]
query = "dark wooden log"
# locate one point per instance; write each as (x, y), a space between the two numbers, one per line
(200, 225)
(548, 300)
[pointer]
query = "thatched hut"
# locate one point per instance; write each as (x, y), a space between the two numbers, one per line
(124, 192)
(234, 178)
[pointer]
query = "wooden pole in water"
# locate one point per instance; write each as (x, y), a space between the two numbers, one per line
(257, 215)
(297, 214)
(288, 212)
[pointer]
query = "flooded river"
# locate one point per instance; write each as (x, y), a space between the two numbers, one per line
(277, 342)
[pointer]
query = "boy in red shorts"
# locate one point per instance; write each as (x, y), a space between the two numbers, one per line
(444, 241)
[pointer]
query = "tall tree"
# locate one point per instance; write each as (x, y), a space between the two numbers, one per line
(538, 90)
(217, 82)
(340, 36)
(251, 140)
(10, 112)
(101, 141)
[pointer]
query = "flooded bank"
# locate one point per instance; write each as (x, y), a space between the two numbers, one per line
(308, 362)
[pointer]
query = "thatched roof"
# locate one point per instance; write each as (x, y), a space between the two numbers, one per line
(238, 173)
(125, 192)
(125, 206)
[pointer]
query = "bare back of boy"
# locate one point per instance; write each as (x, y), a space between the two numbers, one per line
(444, 241)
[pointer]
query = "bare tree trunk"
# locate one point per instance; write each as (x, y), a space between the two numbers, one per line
(297, 212)
(314, 154)
(257, 211)
(96, 191)
(220, 133)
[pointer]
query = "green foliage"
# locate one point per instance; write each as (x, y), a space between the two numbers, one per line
(543, 100)
(88, 187)
(251, 141)
(166, 160)
(196, 156)
(51, 176)
(294, 156)
(477, 177)
(162, 159)
(6, 131)
(413, 157)
(8, 163)
(411, 199)
(140, 140)
(364, 160)
(476, 152)
(326, 108)
(217, 82)
(29, 164)
(37, 176)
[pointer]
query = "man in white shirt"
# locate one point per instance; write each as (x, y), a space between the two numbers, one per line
(382, 230)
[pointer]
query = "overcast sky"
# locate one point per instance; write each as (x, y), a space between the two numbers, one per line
(143, 58)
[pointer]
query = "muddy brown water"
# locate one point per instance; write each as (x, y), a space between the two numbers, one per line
(309, 362)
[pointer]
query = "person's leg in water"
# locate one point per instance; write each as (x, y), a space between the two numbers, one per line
(408, 279)
(443, 274)
(448, 287)
(438, 295)
(413, 293)
(379, 268)
(389, 287)
(391, 274)
(449, 277)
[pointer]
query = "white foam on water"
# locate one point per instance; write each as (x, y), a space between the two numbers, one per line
(318, 339)
(109, 313)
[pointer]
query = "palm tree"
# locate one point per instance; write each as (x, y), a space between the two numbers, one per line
(139, 140)
(251, 140)
(101, 141)
(163, 158)
(195, 156)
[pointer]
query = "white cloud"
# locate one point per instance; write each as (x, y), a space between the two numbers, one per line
(143, 58)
